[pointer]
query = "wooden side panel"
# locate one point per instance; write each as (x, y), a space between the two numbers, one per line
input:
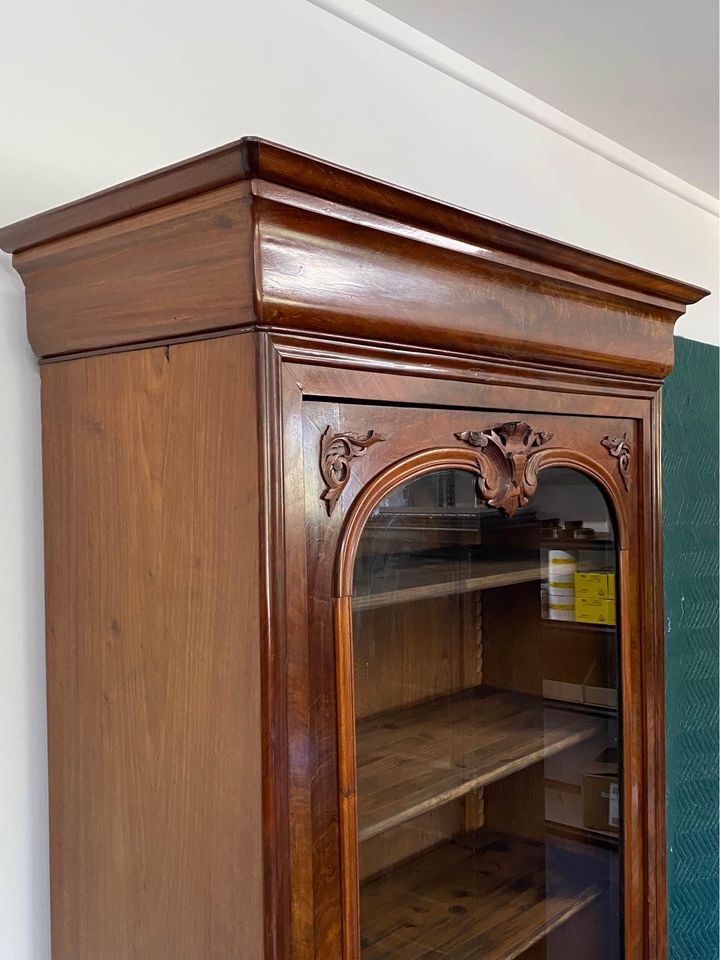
(153, 635)
(176, 271)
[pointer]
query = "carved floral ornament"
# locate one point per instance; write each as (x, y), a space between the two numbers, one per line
(619, 447)
(337, 451)
(507, 471)
(507, 461)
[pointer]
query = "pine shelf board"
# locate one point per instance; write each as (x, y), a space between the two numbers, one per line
(489, 895)
(430, 579)
(414, 759)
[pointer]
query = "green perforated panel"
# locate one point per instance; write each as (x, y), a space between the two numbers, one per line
(690, 503)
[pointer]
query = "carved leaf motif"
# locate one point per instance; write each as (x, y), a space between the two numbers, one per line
(474, 437)
(337, 451)
(619, 447)
(508, 477)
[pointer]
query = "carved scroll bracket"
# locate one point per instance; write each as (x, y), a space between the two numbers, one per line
(337, 451)
(620, 447)
(508, 476)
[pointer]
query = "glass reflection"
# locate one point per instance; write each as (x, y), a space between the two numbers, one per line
(488, 734)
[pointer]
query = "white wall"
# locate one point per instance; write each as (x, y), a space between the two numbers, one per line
(100, 97)
(23, 777)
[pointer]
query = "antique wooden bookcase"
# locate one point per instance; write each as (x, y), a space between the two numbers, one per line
(353, 573)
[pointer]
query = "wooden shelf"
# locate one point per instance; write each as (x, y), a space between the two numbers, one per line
(582, 708)
(418, 758)
(604, 838)
(578, 626)
(488, 895)
(440, 578)
(548, 543)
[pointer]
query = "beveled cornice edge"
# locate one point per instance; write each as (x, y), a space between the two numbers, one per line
(255, 159)
(216, 168)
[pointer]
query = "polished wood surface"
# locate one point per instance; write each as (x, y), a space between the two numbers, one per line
(417, 758)
(153, 655)
(337, 277)
(252, 158)
(333, 253)
(201, 329)
(409, 429)
(181, 269)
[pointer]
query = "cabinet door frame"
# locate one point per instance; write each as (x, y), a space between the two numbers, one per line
(313, 642)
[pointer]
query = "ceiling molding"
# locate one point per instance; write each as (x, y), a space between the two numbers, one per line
(381, 25)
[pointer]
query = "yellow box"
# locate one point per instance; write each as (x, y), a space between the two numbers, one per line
(595, 610)
(611, 586)
(592, 585)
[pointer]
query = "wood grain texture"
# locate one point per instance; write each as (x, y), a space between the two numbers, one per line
(269, 163)
(411, 838)
(491, 896)
(420, 582)
(175, 271)
(416, 439)
(330, 252)
(327, 276)
(417, 443)
(426, 653)
(153, 665)
(200, 650)
(412, 760)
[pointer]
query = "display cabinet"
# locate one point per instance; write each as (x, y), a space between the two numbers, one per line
(353, 574)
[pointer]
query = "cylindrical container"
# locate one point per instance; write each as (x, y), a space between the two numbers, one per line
(561, 563)
(560, 581)
(561, 569)
(561, 608)
(561, 588)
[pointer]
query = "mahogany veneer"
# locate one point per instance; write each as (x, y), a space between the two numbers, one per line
(241, 355)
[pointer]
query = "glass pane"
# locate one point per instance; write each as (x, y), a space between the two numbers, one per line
(488, 731)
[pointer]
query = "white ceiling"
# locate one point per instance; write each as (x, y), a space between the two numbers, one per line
(642, 72)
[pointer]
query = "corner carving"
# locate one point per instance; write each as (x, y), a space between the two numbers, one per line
(507, 473)
(337, 451)
(620, 447)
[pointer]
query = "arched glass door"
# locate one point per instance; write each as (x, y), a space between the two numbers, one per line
(488, 734)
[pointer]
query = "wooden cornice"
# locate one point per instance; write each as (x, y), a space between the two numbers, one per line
(257, 234)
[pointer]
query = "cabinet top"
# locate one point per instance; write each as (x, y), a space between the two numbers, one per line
(252, 158)
(256, 234)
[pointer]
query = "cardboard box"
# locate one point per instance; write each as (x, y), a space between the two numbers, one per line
(589, 610)
(592, 585)
(601, 795)
(558, 690)
(601, 696)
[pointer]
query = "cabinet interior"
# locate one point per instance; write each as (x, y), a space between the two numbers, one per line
(469, 776)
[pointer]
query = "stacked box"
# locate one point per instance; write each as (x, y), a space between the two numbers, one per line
(595, 610)
(595, 598)
(601, 796)
(593, 585)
